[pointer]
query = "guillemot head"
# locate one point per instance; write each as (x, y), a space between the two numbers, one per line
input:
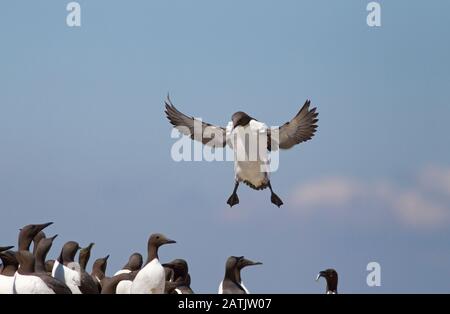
(179, 267)
(68, 252)
(240, 118)
(100, 265)
(84, 255)
(27, 234)
(158, 239)
(134, 262)
(44, 246)
(8, 258)
(331, 276)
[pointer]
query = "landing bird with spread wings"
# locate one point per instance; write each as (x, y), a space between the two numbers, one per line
(252, 172)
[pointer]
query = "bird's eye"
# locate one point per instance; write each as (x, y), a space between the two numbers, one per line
(157, 237)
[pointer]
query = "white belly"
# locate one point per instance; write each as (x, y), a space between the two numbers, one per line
(243, 287)
(250, 161)
(69, 276)
(251, 171)
(122, 271)
(29, 284)
(124, 287)
(6, 284)
(221, 288)
(150, 279)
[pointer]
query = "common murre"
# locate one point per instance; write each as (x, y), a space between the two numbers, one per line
(151, 278)
(253, 171)
(331, 277)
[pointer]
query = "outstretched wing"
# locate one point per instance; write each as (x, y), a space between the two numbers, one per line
(206, 133)
(300, 129)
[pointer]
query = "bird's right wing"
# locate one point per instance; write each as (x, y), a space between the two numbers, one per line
(206, 133)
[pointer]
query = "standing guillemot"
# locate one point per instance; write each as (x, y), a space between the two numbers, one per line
(88, 284)
(151, 278)
(180, 281)
(232, 283)
(84, 255)
(252, 172)
(66, 269)
(26, 281)
(134, 263)
(40, 253)
(27, 234)
(331, 276)
(99, 271)
(10, 265)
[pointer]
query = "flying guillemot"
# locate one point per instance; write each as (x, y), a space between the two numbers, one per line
(252, 171)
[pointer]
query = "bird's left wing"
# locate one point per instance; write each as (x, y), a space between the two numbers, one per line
(300, 129)
(198, 130)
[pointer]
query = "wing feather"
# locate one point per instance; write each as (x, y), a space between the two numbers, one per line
(198, 130)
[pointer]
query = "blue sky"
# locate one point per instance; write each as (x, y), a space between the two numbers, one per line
(84, 141)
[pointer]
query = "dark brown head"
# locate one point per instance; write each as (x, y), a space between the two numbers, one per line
(27, 234)
(179, 267)
(240, 118)
(26, 262)
(84, 255)
(231, 268)
(134, 262)
(68, 252)
(10, 263)
(99, 267)
(41, 252)
(154, 242)
(331, 276)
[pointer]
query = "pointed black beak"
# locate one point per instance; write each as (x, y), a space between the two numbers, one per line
(168, 265)
(54, 237)
(320, 274)
(43, 226)
(248, 262)
(6, 248)
(106, 257)
(169, 241)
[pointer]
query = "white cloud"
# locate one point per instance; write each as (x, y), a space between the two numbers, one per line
(436, 178)
(415, 206)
